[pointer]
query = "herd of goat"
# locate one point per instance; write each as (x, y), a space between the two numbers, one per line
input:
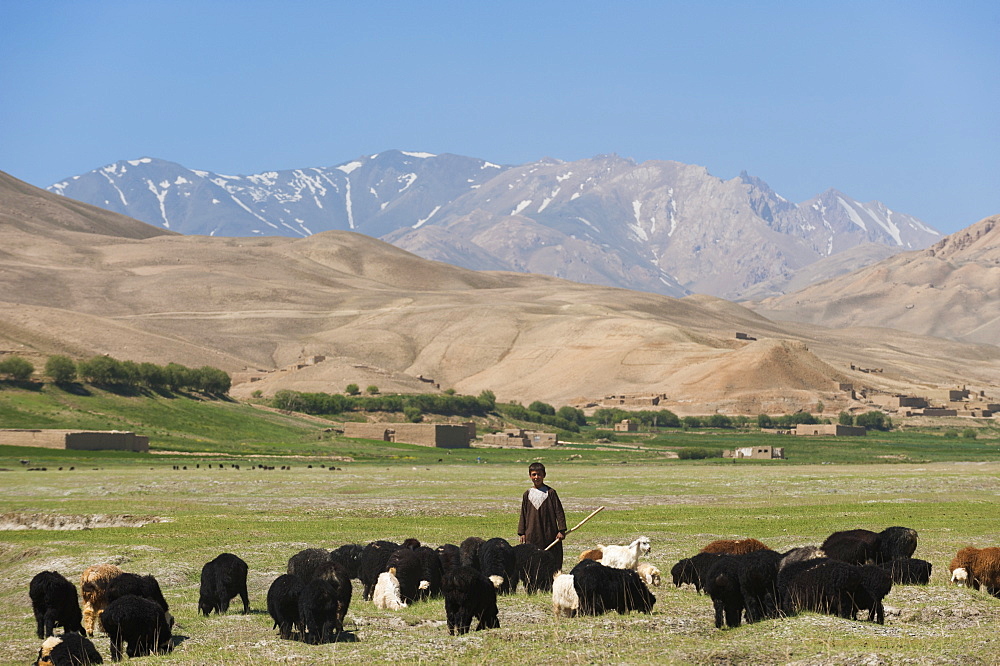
(851, 571)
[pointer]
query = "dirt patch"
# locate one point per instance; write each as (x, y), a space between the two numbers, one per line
(44, 521)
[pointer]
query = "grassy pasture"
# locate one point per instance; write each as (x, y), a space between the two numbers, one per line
(265, 516)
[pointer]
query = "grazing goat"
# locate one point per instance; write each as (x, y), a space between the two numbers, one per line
(348, 556)
(743, 582)
(138, 621)
(498, 563)
(387, 594)
(909, 571)
(68, 650)
(468, 594)
(320, 611)
(283, 604)
(565, 600)
(866, 547)
(93, 590)
(649, 574)
(834, 587)
(373, 560)
(305, 562)
(407, 567)
(734, 546)
(977, 568)
(450, 557)
(624, 557)
(535, 567)
(469, 552)
(693, 570)
(55, 603)
(141, 586)
(431, 572)
(592, 554)
(222, 579)
(601, 588)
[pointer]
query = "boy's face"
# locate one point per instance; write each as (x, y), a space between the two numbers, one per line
(537, 478)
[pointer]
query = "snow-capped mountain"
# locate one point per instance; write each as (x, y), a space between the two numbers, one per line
(657, 226)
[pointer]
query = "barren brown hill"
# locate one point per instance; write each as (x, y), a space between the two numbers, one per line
(382, 316)
(950, 290)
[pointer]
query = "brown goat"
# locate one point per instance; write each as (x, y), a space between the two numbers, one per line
(592, 554)
(977, 567)
(93, 589)
(734, 546)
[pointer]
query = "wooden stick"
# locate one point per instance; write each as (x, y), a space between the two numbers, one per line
(578, 525)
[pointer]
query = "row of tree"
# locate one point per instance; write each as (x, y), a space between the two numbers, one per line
(110, 372)
(412, 406)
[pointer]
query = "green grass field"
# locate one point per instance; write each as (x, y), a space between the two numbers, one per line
(947, 489)
(265, 516)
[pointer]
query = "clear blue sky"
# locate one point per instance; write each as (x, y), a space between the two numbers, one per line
(896, 101)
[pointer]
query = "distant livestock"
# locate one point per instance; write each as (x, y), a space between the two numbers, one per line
(139, 622)
(602, 589)
(624, 557)
(222, 579)
(55, 603)
(977, 568)
(468, 595)
(68, 650)
(93, 590)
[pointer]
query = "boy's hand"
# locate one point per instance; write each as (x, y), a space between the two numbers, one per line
(560, 536)
(520, 538)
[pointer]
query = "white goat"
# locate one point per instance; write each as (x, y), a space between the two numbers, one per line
(624, 557)
(649, 574)
(565, 601)
(386, 594)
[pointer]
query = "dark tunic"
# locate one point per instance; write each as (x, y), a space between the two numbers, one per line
(539, 526)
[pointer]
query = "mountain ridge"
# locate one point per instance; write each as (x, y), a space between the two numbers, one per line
(657, 226)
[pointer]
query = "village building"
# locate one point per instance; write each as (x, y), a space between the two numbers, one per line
(521, 438)
(829, 429)
(756, 453)
(438, 435)
(627, 425)
(632, 400)
(76, 440)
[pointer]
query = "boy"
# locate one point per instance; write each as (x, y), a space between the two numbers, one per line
(542, 518)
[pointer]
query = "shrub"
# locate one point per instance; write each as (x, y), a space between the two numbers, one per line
(951, 434)
(698, 454)
(691, 422)
(719, 421)
(845, 419)
(60, 369)
(969, 433)
(542, 408)
(17, 368)
(874, 420)
(764, 421)
(352, 389)
(413, 415)
(372, 390)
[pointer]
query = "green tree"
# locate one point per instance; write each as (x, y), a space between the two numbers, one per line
(352, 389)
(372, 390)
(764, 421)
(413, 414)
(874, 420)
(17, 368)
(542, 408)
(60, 369)
(691, 422)
(718, 421)
(572, 414)
(845, 418)
(487, 400)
